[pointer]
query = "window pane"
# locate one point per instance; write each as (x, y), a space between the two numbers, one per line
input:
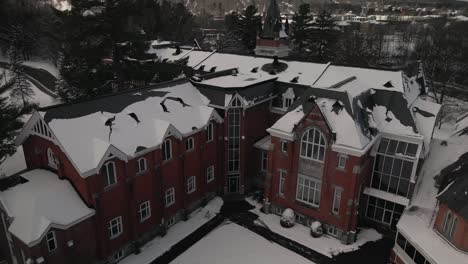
(418, 258)
(370, 211)
(383, 145)
(401, 241)
(407, 169)
(378, 214)
(396, 167)
(410, 250)
(392, 147)
(401, 148)
(412, 149)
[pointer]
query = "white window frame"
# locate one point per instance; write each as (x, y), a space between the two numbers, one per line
(167, 149)
(141, 165)
(189, 144)
(52, 160)
(210, 174)
(264, 161)
(342, 161)
(108, 181)
(333, 231)
(144, 211)
(450, 224)
(310, 149)
(337, 194)
(288, 98)
(314, 188)
(170, 221)
(282, 182)
(118, 255)
(51, 239)
(210, 132)
(284, 146)
(116, 222)
(169, 197)
(191, 184)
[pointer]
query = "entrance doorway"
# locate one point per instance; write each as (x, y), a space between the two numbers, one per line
(233, 183)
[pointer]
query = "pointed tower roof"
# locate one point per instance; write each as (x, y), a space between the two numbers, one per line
(272, 23)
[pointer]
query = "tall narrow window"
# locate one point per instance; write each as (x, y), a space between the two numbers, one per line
(191, 184)
(264, 164)
(51, 241)
(234, 140)
(453, 227)
(342, 162)
(284, 146)
(337, 200)
(189, 144)
(169, 197)
(141, 165)
(115, 227)
(282, 182)
(448, 220)
(210, 132)
(110, 177)
(167, 149)
(145, 211)
(210, 174)
(52, 160)
(313, 145)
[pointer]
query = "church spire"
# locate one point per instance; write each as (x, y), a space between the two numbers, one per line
(272, 23)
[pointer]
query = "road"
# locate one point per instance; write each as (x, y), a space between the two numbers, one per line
(41, 78)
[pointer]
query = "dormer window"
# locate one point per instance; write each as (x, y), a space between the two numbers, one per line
(288, 98)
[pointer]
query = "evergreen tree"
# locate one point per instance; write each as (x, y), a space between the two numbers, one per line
(302, 21)
(11, 124)
(325, 36)
(21, 89)
(250, 24)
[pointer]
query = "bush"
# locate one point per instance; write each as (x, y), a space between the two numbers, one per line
(287, 218)
(316, 229)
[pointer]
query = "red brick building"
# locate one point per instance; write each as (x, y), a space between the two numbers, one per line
(315, 137)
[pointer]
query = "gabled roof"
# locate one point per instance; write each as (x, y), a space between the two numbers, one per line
(43, 201)
(455, 193)
(126, 123)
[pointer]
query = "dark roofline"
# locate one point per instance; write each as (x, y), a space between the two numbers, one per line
(209, 86)
(152, 86)
(370, 67)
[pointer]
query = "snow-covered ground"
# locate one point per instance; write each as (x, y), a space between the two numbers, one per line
(176, 233)
(40, 64)
(233, 244)
(5, 76)
(326, 245)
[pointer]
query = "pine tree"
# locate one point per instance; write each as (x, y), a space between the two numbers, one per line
(249, 23)
(22, 89)
(325, 36)
(11, 124)
(302, 21)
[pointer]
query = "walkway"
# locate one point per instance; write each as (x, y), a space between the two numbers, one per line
(238, 211)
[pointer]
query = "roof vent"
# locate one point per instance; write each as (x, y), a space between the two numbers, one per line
(295, 79)
(388, 84)
(164, 106)
(202, 68)
(110, 123)
(135, 117)
(337, 107)
(194, 128)
(178, 51)
(272, 72)
(343, 82)
(164, 60)
(254, 70)
(213, 69)
(196, 79)
(234, 72)
(139, 148)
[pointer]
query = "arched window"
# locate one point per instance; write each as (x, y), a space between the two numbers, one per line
(448, 220)
(453, 227)
(313, 145)
(51, 159)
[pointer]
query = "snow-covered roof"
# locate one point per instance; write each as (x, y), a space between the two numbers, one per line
(425, 116)
(417, 223)
(264, 143)
(241, 80)
(41, 202)
(286, 124)
(140, 120)
(306, 72)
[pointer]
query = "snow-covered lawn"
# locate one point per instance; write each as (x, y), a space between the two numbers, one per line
(233, 244)
(159, 245)
(325, 245)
